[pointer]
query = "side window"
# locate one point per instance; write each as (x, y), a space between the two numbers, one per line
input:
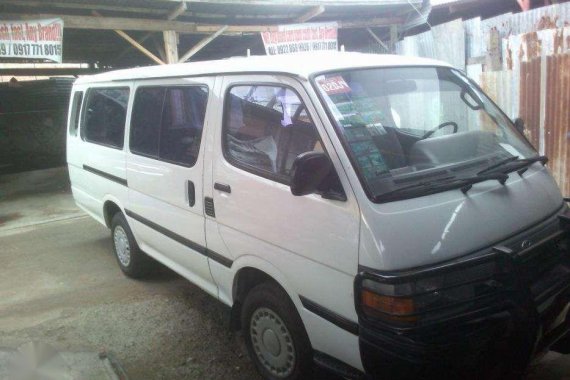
(104, 117)
(266, 128)
(75, 107)
(145, 120)
(182, 124)
(167, 123)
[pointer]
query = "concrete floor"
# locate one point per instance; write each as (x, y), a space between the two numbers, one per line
(35, 197)
(60, 284)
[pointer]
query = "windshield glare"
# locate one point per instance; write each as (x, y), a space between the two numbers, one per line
(406, 125)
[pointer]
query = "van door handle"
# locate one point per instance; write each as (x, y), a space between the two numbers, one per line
(191, 194)
(222, 187)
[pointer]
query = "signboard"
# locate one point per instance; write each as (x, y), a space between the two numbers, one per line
(38, 39)
(300, 38)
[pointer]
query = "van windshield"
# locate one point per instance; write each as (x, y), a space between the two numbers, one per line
(414, 131)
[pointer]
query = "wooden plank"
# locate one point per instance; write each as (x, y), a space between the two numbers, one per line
(311, 13)
(493, 57)
(170, 46)
(371, 22)
(196, 48)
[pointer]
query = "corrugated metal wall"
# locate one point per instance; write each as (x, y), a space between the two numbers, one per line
(532, 80)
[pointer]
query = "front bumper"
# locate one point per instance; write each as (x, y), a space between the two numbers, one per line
(493, 340)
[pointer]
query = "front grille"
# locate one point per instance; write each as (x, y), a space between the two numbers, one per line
(538, 260)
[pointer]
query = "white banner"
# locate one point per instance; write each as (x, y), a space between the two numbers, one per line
(301, 37)
(39, 39)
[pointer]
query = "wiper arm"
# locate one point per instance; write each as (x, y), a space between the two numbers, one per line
(523, 164)
(498, 165)
(470, 181)
(440, 184)
(529, 161)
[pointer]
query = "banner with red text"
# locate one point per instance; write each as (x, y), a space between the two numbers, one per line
(301, 37)
(37, 39)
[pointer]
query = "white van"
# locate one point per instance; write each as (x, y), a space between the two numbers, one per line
(376, 215)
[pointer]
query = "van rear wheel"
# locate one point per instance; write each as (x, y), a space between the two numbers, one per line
(274, 334)
(132, 261)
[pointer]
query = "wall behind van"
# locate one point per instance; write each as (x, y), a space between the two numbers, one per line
(33, 116)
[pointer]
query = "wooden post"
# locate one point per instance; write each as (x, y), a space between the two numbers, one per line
(171, 46)
(493, 56)
(393, 37)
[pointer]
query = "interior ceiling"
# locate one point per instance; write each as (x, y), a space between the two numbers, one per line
(106, 49)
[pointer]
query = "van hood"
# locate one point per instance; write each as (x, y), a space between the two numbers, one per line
(435, 228)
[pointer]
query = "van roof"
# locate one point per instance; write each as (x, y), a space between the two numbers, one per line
(299, 64)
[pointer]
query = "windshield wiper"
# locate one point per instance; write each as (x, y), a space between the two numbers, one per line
(430, 187)
(519, 163)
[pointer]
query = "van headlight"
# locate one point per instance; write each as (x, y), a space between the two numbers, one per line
(425, 296)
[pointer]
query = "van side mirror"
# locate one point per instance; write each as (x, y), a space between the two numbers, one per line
(308, 172)
(519, 125)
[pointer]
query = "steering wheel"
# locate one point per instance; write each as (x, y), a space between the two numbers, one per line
(442, 125)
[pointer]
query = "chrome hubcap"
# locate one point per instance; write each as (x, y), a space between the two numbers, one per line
(272, 342)
(122, 246)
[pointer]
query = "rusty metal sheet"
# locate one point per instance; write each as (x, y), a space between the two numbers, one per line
(530, 109)
(557, 117)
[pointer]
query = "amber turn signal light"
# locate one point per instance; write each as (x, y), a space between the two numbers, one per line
(386, 307)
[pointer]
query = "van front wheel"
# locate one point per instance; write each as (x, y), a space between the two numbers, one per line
(274, 334)
(132, 261)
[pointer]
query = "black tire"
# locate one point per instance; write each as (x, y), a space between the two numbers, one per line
(138, 264)
(269, 303)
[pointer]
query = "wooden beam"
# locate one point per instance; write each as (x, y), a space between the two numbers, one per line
(132, 41)
(380, 42)
(157, 25)
(181, 8)
(311, 13)
(111, 23)
(141, 48)
(196, 48)
(371, 22)
(394, 36)
(90, 6)
(170, 46)
(388, 3)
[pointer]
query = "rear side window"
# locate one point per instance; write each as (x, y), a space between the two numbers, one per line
(105, 113)
(266, 128)
(167, 123)
(75, 107)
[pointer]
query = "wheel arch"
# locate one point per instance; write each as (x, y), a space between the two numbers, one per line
(111, 206)
(254, 271)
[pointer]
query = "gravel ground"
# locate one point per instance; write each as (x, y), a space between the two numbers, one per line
(61, 286)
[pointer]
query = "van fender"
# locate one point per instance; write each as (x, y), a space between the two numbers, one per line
(110, 198)
(255, 262)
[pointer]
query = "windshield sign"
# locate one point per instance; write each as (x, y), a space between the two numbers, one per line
(415, 131)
